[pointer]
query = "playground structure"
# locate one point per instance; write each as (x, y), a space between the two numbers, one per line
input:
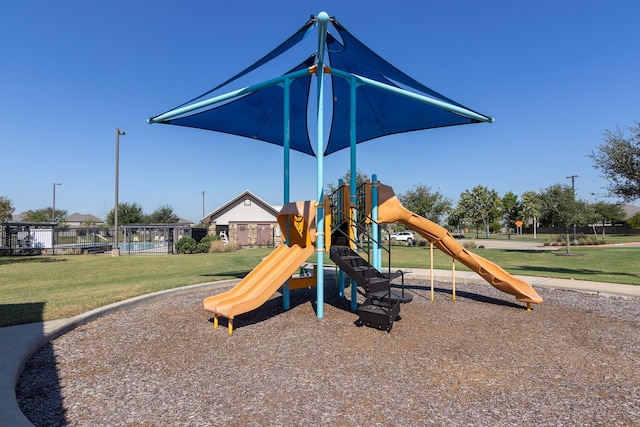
(382, 305)
(369, 100)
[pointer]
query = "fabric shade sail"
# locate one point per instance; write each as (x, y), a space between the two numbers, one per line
(379, 112)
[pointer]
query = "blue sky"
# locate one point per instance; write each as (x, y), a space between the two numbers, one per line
(554, 75)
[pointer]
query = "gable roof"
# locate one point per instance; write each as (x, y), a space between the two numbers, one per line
(630, 210)
(236, 201)
(80, 218)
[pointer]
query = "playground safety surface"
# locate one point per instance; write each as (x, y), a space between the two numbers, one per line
(479, 360)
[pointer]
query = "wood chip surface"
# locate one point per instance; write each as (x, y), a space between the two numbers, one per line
(479, 360)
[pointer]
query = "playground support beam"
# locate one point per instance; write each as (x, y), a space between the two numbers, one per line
(375, 227)
(286, 85)
(353, 184)
(416, 97)
(322, 20)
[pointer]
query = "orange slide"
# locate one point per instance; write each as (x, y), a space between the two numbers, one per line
(257, 286)
(390, 210)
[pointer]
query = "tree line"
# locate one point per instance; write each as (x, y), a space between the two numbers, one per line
(128, 213)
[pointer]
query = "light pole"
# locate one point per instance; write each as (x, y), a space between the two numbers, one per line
(573, 190)
(202, 205)
(116, 251)
(53, 219)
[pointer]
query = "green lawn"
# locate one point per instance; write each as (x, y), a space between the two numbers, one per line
(598, 264)
(44, 287)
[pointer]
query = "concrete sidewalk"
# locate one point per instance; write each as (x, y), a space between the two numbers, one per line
(18, 343)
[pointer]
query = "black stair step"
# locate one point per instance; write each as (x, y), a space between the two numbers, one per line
(375, 309)
(395, 296)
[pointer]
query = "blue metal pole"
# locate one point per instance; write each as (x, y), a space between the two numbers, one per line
(287, 148)
(339, 221)
(417, 97)
(323, 20)
(353, 186)
(375, 228)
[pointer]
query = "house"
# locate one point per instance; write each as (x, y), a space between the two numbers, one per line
(77, 220)
(246, 219)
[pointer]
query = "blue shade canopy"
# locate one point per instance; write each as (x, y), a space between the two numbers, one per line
(379, 112)
(260, 113)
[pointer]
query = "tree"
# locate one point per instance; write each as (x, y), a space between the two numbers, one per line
(456, 219)
(425, 203)
(6, 209)
(128, 213)
(511, 210)
(607, 212)
(561, 208)
(619, 160)
(634, 221)
(44, 215)
(162, 215)
(531, 208)
(480, 206)
(361, 178)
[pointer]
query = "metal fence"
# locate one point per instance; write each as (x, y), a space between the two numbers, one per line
(132, 239)
(41, 238)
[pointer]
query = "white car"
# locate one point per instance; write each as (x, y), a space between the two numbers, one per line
(403, 236)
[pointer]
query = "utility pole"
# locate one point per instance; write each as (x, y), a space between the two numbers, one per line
(53, 220)
(116, 250)
(573, 190)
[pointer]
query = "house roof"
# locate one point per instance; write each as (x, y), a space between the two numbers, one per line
(630, 210)
(80, 218)
(274, 210)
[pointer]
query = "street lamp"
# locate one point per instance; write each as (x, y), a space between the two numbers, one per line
(573, 190)
(116, 250)
(203, 204)
(53, 219)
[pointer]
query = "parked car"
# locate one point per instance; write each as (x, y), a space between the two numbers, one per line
(403, 236)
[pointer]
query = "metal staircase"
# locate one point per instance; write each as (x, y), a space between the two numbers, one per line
(381, 307)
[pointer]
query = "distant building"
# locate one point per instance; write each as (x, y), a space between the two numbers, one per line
(630, 210)
(78, 220)
(246, 219)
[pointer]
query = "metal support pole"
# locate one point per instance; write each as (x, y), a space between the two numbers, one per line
(116, 250)
(53, 220)
(323, 20)
(375, 228)
(573, 190)
(286, 292)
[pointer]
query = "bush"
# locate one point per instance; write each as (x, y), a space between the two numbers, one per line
(469, 245)
(219, 247)
(205, 243)
(186, 245)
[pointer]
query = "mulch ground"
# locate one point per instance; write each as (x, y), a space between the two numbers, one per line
(479, 360)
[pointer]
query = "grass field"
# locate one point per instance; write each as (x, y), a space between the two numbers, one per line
(44, 288)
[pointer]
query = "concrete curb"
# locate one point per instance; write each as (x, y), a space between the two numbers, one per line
(18, 343)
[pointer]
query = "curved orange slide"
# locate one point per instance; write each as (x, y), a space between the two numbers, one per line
(257, 286)
(390, 210)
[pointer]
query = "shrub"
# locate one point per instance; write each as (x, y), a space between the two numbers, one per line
(219, 247)
(205, 243)
(469, 245)
(186, 245)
